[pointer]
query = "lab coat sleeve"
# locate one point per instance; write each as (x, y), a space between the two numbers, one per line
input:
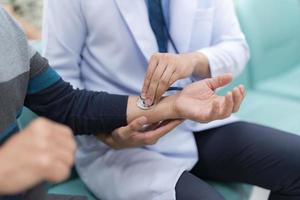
(64, 38)
(229, 52)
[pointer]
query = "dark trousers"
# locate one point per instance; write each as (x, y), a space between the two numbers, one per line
(248, 153)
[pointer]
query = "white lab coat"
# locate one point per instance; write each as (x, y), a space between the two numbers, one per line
(106, 45)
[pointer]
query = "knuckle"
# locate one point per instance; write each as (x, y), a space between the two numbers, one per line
(164, 82)
(67, 173)
(155, 80)
(121, 135)
(147, 81)
(149, 141)
(132, 126)
(165, 56)
(168, 55)
(237, 109)
(155, 56)
(179, 73)
(42, 132)
(64, 174)
(43, 145)
(228, 115)
(205, 119)
(59, 173)
(41, 121)
(67, 130)
(224, 115)
(176, 75)
(150, 94)
(146, 142)
(152, 142)
(39, 125)
(212, 110)
(47, 135)
(73, 146)
(44, 162)
(71, 159)
(121, 130)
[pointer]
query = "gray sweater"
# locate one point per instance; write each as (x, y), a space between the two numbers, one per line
(27, 80)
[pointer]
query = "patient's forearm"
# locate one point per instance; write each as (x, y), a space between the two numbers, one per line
(162, 111)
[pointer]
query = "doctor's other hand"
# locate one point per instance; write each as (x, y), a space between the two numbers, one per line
(200, 103)
(135, 134)
(44, 151)
(165, 68)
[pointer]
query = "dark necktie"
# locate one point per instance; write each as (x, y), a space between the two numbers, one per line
(158, 25)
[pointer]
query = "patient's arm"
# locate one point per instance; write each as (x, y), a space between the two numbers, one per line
(197, 102)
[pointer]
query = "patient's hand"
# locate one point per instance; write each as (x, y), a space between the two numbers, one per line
(135, 134)
(199, 102)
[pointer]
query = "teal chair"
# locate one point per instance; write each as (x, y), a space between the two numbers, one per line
(272, 28)
(74, 186)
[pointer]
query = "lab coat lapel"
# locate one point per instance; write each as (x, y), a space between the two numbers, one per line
(182, 13)
(135, 15)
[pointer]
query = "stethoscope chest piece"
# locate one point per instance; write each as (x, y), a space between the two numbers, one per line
(141, 103)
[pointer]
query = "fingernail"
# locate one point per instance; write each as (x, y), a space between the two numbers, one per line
(143, 95)
(148, 102)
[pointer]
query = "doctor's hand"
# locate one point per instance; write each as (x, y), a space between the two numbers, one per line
(200, 103)
(164, 69)
(135, 135)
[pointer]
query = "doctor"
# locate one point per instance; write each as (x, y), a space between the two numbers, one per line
(112, 44)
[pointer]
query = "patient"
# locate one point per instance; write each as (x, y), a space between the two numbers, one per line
(146, 47)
